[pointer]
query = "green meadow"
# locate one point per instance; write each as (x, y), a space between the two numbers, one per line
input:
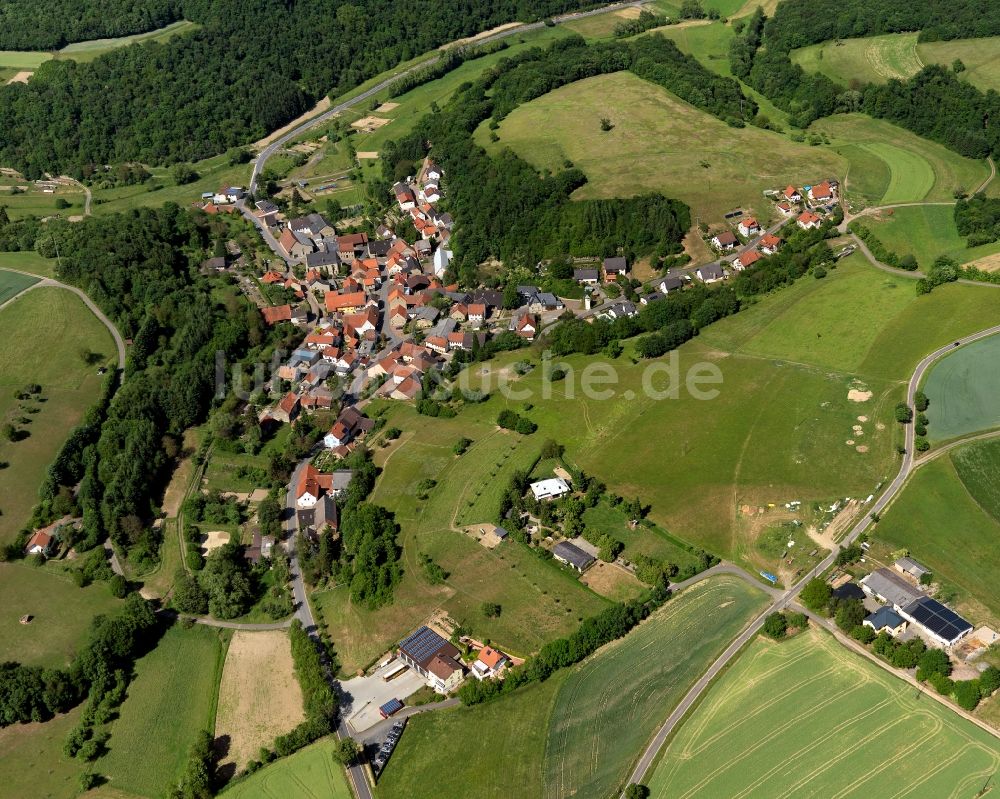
(658, 143)
(66, 369)
(926, 232)
(311, 773)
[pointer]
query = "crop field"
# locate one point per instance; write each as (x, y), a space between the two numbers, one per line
(579, 732)
(963, 388)
(172, 697)
(32, 762)
(610, 706)
(659, 143)
(978, 465)
(69, 385)
(941, 523)
(807, 717)
(310, 773)
(29, 261)
(891, 165)
(926, 232)
(259, 697)
(876, 59)
(12, 284)
(61, 614)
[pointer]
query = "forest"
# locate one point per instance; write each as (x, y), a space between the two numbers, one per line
(52, 24)
(934, 103)
(978, 219)
(252, 66)
(504, 208)
(141, 268)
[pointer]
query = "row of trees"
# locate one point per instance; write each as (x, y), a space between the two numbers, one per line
(199, 94)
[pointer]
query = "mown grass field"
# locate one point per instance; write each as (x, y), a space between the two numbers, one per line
(940, 522)
(61, 614)
(659, 143)
(807, 717)
(36, 349)
(28, 261)
(172, 697)
(540, 600)
(874, 59)
(877, 59)
(33, 201)
(12, 284)
(925, 232)
(963, 388)
(579, 733)
(310, 773)
(891, 165)
(32, 763)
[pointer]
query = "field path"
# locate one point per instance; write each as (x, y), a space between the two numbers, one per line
(788, 598)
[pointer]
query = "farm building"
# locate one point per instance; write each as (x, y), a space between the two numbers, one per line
(552, 488)
(911, 567)
(436, 660)
(885, 618)
(572, 555)
(941, 623)
(890, 588)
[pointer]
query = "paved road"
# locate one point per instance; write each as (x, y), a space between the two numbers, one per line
(48, 281)
(376, 734)
(326, 116)
(788, 597)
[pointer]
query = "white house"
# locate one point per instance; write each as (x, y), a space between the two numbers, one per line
(552, 488)
(748, 227)
(442, 257)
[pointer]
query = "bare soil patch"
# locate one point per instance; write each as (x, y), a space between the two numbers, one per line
(370, 124)
(214, 539)
(386, 108)
(610, 580)
(20, 77)
(480, 36)
(319, 108)
(990, 263)
(368, 154)
(856, 395)
(259, 698)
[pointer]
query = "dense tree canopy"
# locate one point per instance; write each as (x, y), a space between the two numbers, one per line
(51, 24)
(251, 67)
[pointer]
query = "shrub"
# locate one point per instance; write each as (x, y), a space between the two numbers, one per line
(967, 694)
(775, 626)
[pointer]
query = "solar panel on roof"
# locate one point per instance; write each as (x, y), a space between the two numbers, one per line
(939, 619)
(422, 644)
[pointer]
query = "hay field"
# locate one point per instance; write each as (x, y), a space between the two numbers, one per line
(926, 232)
(807, 717)
(259, 696)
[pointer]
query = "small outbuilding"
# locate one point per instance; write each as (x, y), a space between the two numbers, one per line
(911, 567)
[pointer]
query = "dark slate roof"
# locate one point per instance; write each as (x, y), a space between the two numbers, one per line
(884, 617)
(617, 264)
(322, 259)
(937, 618)
(849, 591)
(571, 553)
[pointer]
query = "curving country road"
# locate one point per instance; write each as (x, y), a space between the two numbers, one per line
(326, 116)
(784, 599)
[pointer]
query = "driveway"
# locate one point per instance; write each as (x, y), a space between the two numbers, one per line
(368, 694)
